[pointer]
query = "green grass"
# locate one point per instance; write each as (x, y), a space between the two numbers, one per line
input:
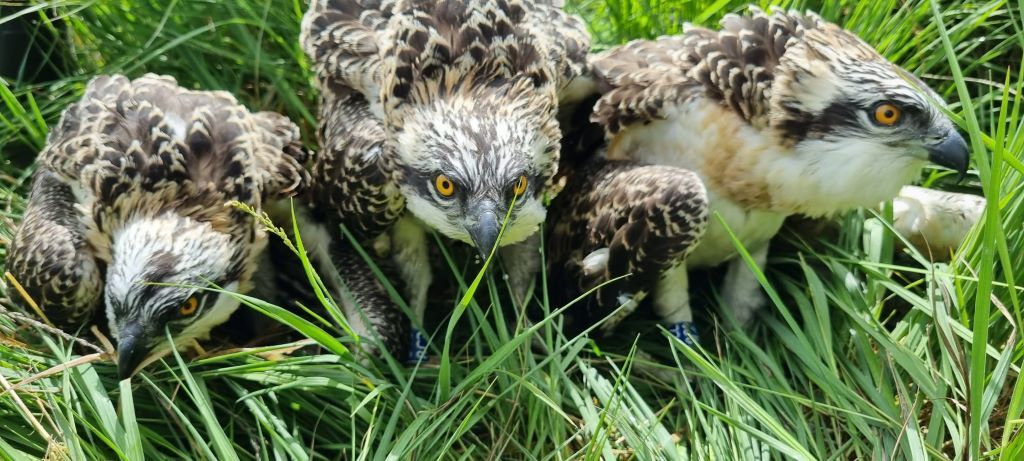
(865, 353)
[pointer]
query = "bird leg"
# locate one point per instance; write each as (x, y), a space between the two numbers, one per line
(367, 308)
(410, 253)
(672, 304)
(741, 291)
(367, 304)
(51, 257)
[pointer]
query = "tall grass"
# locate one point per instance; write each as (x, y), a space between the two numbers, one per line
(867, 351)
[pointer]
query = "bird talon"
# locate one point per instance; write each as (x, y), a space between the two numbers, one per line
(417, 348)
(685, 332)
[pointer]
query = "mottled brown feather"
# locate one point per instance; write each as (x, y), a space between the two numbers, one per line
(734, 66)
(647, 216)
(353, 180)
(132, 149)
(513, 55)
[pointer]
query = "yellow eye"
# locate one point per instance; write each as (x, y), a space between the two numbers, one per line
(520, 187)
(444, 186)
(189, 307)
(887, 114)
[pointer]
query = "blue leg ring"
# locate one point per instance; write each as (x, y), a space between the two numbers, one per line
(417, 347)
(685, 332)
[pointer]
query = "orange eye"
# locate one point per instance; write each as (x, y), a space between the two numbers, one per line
(444, 186)
(190, 306)
(887, 114)
(520, 187)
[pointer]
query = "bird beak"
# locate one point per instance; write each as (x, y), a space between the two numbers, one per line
(484, 231)
(131, 350)
(952, 153)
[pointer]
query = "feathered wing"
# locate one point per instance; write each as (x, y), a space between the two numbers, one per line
(645, 80)
(349, 40)
(151, 142)
(353, 181)
(130, 149)
(342, 37)
(278, 155)
(50, 255)
(567, 44)
(620, 218)
(435, 48)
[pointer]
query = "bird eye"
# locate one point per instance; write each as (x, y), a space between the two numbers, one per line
(887, 114)
(189, 307)
(444, 185)
(520, 186)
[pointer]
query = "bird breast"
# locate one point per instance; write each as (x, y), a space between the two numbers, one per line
(753, 229)
(726, 152)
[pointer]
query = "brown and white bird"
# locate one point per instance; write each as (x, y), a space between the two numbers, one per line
(436, 114)
(776, 114)
(128, 211)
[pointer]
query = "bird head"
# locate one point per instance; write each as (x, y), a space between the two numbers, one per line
(856, 121)
(157, 269)
(464, 162)
(468, 97)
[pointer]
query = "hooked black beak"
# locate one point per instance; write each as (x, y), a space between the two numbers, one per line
(485, 230)
(952, 153)
(131, 350)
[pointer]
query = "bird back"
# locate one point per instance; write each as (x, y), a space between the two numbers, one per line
(735, 65)
(145, 146)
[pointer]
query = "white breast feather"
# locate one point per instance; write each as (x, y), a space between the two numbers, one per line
(696, 132)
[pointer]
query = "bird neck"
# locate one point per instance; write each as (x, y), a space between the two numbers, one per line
(818, 179)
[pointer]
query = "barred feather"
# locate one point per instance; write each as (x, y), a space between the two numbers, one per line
(645, 218)
(129, 150)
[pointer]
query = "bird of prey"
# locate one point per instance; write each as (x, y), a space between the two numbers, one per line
(437, 114)
(776, 114)
(128, 210)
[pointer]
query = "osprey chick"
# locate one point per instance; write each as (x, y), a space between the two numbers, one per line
(776, 114)
(436, 114)
(128, 210)
(450, 110)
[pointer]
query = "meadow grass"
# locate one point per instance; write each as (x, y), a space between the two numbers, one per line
(866, 351)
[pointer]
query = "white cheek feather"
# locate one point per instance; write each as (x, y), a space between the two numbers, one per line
(528, 220)
(434, 217)
(223, 307)
(200, 329)
(824, 177)
(817, 92)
